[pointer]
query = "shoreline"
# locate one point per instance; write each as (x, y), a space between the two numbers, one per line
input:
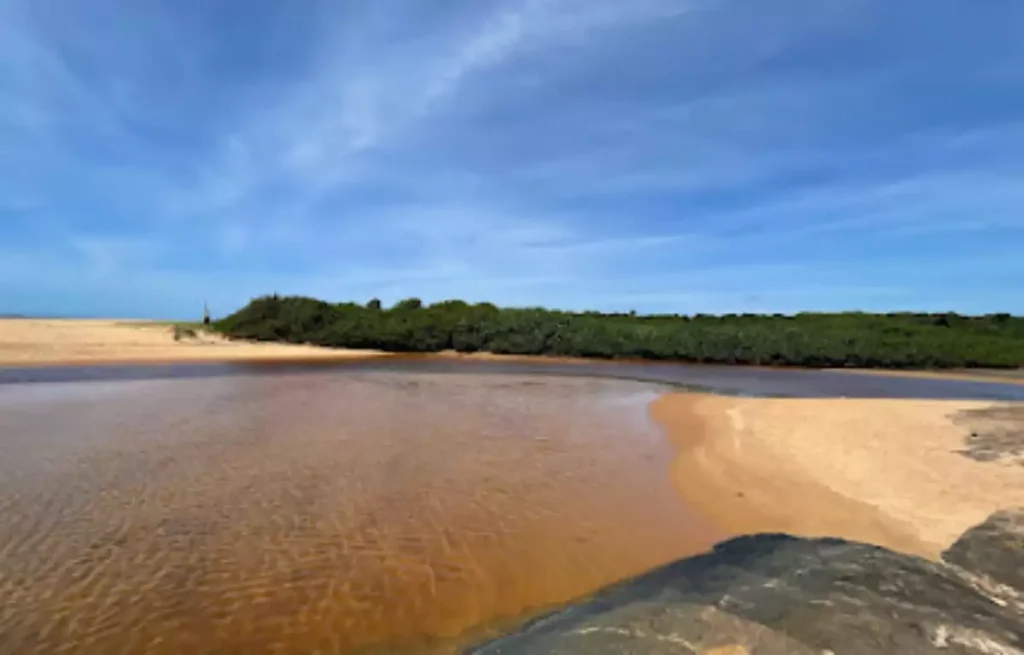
(1008, 376)
(886, 472)
(61, 342)
(212, 359)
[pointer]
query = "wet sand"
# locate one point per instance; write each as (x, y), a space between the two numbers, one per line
(1009, 376)
(896, 473)
(301, 513)
(32, 342)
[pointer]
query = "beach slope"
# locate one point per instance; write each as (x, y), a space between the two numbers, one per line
(911, 475)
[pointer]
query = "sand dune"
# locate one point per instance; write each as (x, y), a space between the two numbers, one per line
(909, 475)
(25, 342)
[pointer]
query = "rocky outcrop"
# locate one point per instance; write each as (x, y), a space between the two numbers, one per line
(993, 555)
(775, 594)
(996, 433)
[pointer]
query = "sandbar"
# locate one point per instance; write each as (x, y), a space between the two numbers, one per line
(911, 475)
(48, 342)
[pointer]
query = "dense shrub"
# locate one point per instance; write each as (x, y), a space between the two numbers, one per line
(904, 340)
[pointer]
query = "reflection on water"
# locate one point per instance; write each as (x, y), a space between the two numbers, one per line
(320, 513)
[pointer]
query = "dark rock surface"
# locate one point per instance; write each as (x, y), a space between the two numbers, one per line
(996, 433)
(775, 594)
(993, 552)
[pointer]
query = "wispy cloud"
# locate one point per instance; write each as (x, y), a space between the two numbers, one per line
(662, 155)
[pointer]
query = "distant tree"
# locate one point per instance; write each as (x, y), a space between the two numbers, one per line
(451, 305)
(409, 303)
(486, 307)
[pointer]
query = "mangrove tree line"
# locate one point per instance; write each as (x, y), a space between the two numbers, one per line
(895, 340)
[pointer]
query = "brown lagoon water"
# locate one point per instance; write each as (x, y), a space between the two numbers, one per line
(302, 513)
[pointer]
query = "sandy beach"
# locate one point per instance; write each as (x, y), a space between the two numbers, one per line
(907, 474)
(31, 342)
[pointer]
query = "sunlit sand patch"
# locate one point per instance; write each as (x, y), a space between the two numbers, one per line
(30, 342)
(888, 472)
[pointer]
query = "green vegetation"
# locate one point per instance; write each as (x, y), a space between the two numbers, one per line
(899, 340)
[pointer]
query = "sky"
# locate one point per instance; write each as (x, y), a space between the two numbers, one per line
(680, 156)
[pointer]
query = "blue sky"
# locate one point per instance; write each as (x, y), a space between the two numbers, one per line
(658, 155)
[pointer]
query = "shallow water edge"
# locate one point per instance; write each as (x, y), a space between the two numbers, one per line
(729, 380)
